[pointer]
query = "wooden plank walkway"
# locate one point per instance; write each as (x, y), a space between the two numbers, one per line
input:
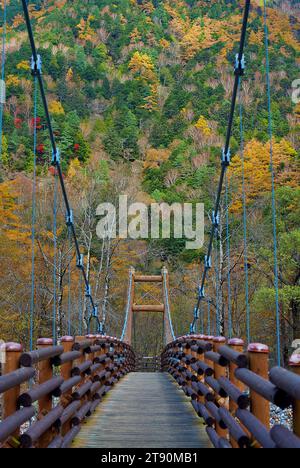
(144, 411)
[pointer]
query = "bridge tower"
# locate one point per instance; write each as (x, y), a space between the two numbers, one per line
(163, 308)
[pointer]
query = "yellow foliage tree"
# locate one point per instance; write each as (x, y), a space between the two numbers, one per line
(86, 32)
(203, 126)
(56, 108)
(155, 157)
(24, 65)
(135, 36)
(12, 80)
(257, 169)
(142, 65)
(73, 168)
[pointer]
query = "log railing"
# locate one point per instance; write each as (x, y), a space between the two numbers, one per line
(49, 392)
(232, 390)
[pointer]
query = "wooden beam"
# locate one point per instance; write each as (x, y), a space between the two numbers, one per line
(148, 308)
(148, 279)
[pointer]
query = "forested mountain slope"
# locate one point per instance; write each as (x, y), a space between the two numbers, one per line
(139, 93)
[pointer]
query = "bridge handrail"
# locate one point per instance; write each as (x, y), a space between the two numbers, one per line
(78, 373)
(231, 389)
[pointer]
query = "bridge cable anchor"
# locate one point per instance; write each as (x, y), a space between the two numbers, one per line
(88, 291)
(240, 65)
(79, 262)
(70, 219)
(215, 219)
(226, 158)
(201, 293)
(207, 262)
(55, 157)
(36, 65)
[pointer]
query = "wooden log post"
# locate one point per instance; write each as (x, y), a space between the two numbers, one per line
(294, 363)
(220, 372)
(200, 357)
(13, 352)
(81, 360)
(259, 364)
(237, 345)
(65, 371)
(45, 372)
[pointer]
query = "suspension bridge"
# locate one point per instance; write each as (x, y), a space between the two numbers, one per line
(201, 391)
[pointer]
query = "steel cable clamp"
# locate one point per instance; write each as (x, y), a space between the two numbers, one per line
(55, 157)
(36, 65)
(240, 65)
(69, 218)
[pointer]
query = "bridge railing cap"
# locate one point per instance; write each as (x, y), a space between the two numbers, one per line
(45, 341)
(294, 360)
(13, 347)
(236, 342)
(220, 339)
(258, 348)
(67, 339)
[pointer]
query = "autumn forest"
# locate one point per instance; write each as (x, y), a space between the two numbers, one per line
(139, 94)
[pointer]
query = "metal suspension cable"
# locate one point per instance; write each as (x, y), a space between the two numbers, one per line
(36, 60)
(228, 248)
(33, 216)
(2, 90)
(245, 225)
(239, 71)
(274, 210)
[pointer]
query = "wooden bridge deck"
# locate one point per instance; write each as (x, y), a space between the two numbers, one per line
(144, 411)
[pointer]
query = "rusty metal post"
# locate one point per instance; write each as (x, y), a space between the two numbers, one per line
(45, 372)
(294, 363)
(13, 352)
(259, 364)
(220, 372)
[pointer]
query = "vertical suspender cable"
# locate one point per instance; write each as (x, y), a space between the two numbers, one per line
(33, 216)
(54, 312)
(274, 213)
(245, 227)
(208, 318)
(217, 290)
(228, 247)
(2, 91)
(69, 281)
(80, 306)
